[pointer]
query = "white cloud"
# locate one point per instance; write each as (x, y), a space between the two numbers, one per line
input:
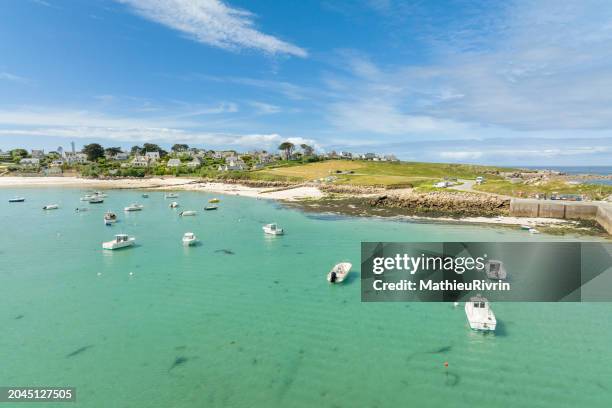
(74, 124)
(214, 23)
(7, 76)
(538, 66)
(265, 108)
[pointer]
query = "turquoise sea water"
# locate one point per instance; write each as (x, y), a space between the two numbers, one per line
(245, 320)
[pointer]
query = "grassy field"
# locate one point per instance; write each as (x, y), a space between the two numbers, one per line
(379, 173)
(595, 192)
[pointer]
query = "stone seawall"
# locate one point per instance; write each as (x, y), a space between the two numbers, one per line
(443, 203)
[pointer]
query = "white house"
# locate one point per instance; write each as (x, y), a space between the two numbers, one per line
(75, 158)
(174, 163)
(38, 154)
(152, 156)
(30, 162)
(140, 161)
(5, 155)
(194, 163)
(120, 156)
(233, 164)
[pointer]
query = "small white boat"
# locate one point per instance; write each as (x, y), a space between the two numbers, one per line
(211, 207)
(86, 197)
(133, 207)
(479, 314)
(171, 195)
(339, 272)
(189, 239)
(526, 227)
(495, 269)
(51, 207)
(110, 218)
(272, 229)
(145, 195)
(99, 194)
(187, 213)
(173, 204)
(16, 200)
(533, 231)
(96, 200)
(120, 241)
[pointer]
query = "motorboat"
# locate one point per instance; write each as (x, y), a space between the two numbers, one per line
(145, 195)
(210, 207)
(187, 213)
(214, 200)
(339, 272)
(51, 207)
(110, 218)
(272, 229)
(93, 196)
(16, 200)
(173, 204)
(495, 269)
(171, 195)
(526, 227)
(189, 239)
(479, 314)
(133, 207)
(96, 200)
(120, 241)
(533, 231)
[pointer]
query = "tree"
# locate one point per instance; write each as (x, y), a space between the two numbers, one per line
(287, 147)
(178, 147)
(19, 154)
(308, 150)
(93, 151)
(136, 150)
(151, 147)
(112, 151)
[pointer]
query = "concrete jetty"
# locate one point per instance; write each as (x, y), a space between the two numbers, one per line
(571, 210)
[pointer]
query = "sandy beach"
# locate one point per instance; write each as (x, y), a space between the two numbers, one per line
(166, 183)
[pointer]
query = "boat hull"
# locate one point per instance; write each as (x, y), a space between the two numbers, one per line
(112, 245)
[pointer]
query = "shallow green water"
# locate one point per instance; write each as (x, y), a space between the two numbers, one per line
(257, 325)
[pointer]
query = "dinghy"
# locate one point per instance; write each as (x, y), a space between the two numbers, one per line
(51, 207)
(187, 213)
(189, 239)
(16, 200)
(339, 272)
(133, 207)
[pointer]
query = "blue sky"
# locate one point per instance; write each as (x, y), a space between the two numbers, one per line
(508, 82)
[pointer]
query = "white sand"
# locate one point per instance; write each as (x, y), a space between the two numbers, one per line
(166, 183)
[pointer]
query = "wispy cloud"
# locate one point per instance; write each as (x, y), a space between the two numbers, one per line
(77, 124)
(214, 23)
(540, 66)
(7, 76)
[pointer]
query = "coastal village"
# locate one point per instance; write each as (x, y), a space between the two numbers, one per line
(95, 160)
(345, 182)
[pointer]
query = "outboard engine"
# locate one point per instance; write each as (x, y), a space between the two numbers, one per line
(333, 277)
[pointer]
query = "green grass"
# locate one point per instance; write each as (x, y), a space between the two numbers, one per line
(368, 173)
(595, 192)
